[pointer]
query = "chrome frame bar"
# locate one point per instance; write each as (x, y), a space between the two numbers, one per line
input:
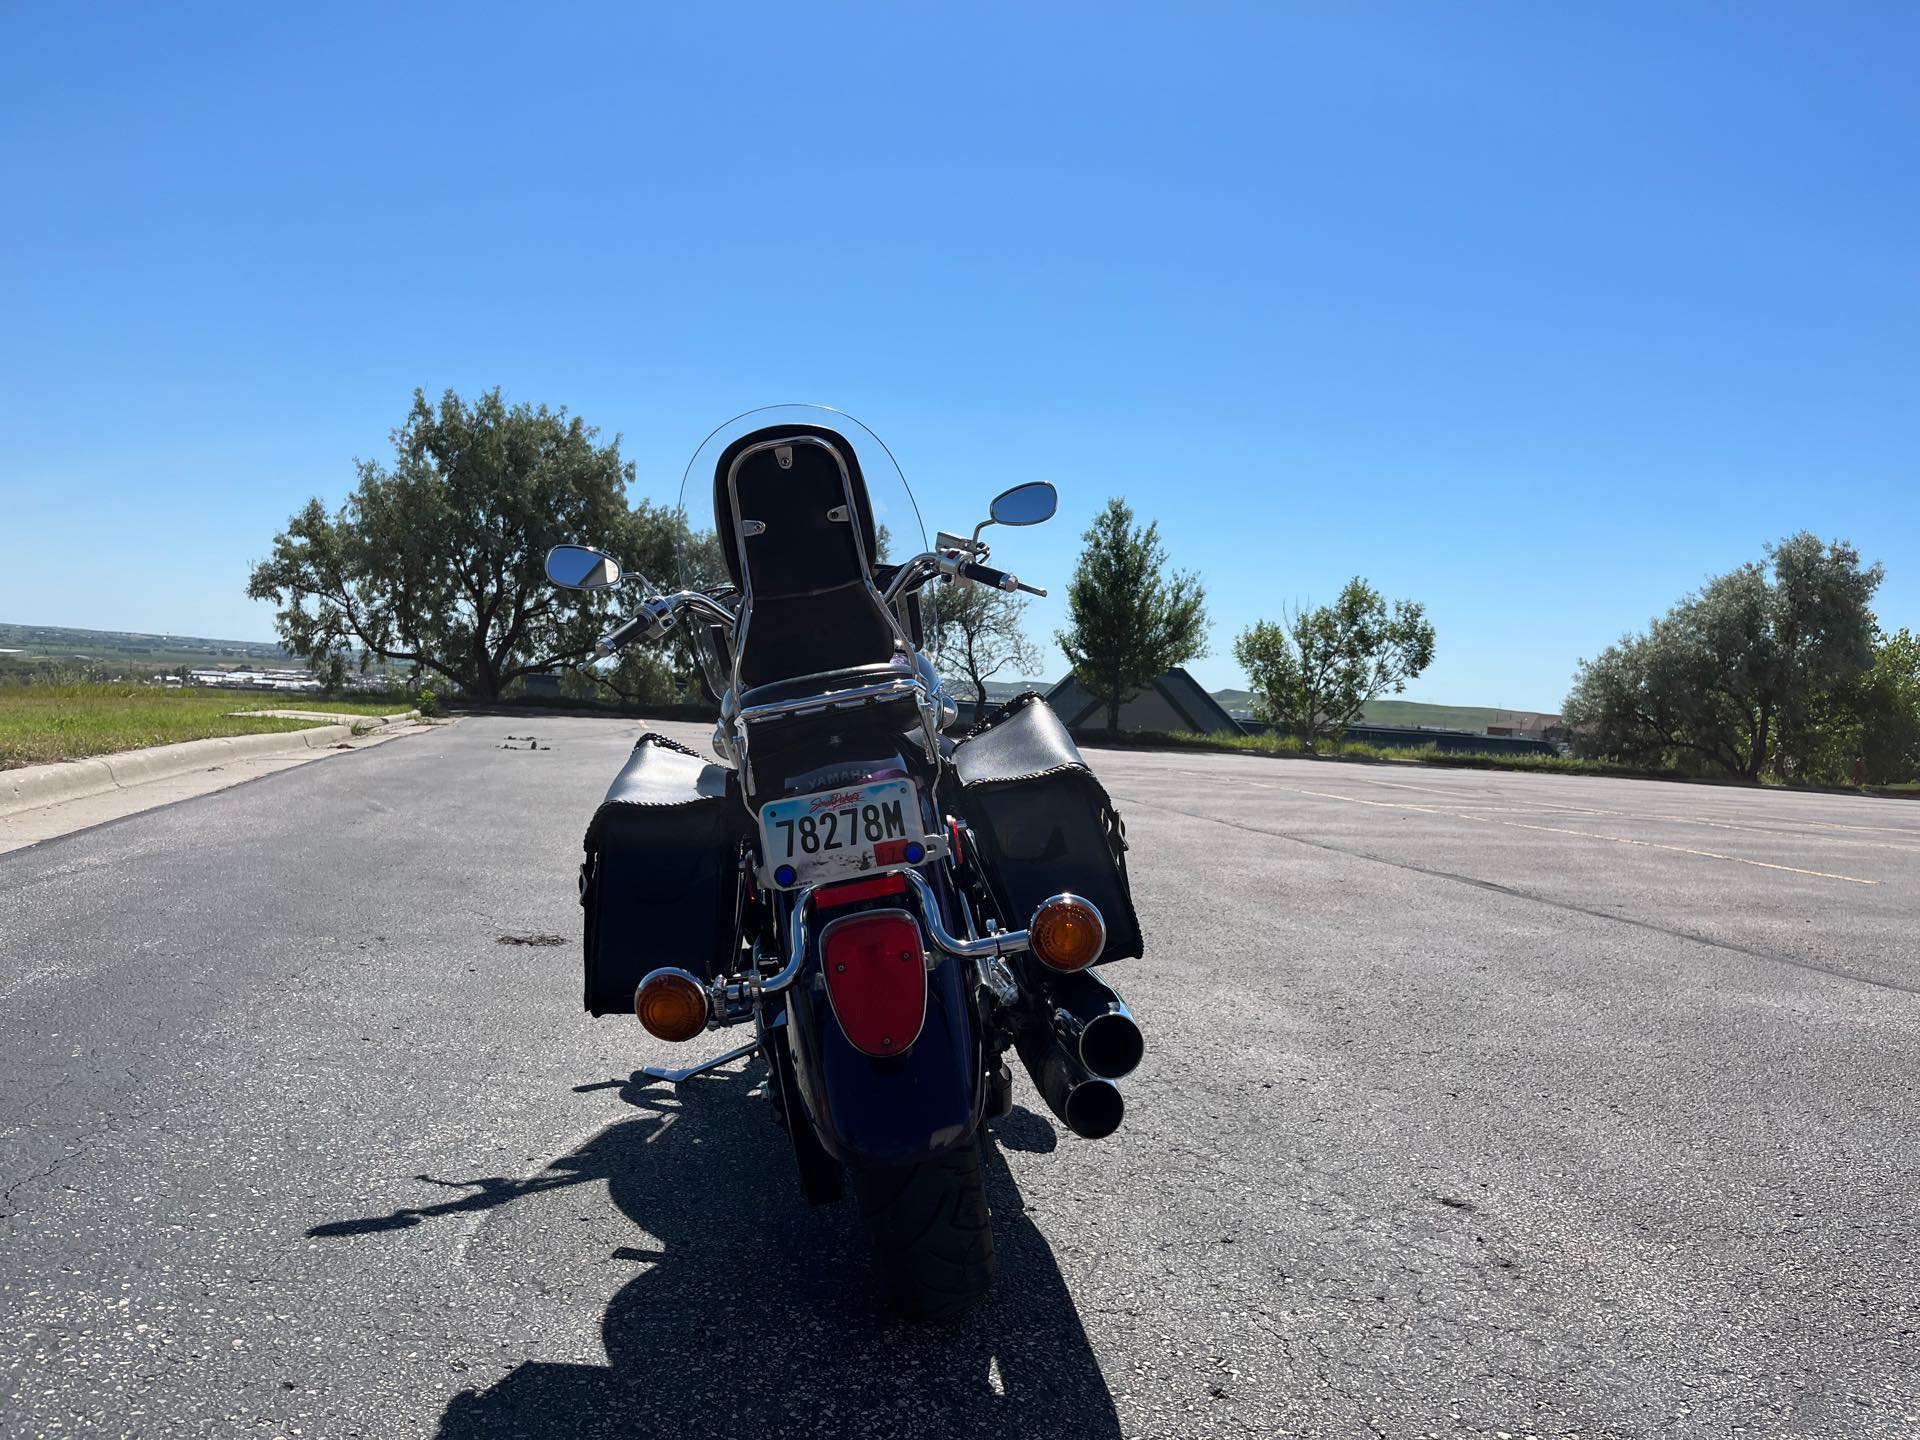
(1009, 942)
(725, 996)
(696, 600)
(907, 687)
(722, 995)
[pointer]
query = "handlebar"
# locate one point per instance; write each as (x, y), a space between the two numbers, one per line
(631, 630)
(656, 614)
(957, 565)
(987, 575)
(998, 579)
(655, 618)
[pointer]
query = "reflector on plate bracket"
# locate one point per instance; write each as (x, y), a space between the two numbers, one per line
(875, 966)
(1067, 933)
(828, 897)
(671, 1004)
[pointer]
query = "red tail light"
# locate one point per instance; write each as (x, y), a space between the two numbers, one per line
(828, 896)
(875, 966)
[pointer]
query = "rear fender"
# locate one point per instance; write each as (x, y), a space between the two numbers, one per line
(871, 1112)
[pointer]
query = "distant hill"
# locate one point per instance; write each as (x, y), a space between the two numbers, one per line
(1007, 689)
(133, 653)
(1403, 712)
(63, 643)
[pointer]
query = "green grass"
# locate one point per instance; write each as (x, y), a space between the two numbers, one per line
(1445, 717)
(263, 700)
(1456, 759)
(1424, 754)
(1405, 712)
(39, 723)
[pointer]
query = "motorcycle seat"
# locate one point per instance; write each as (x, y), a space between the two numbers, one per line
(803, 686)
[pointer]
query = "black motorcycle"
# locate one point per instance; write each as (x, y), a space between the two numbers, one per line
(889, 907)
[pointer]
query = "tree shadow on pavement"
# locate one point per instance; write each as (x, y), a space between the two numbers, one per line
(759, 1317)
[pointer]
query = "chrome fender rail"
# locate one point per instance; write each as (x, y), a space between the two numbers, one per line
(731, 995)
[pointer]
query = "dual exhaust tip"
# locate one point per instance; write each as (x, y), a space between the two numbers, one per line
(1088, 1040)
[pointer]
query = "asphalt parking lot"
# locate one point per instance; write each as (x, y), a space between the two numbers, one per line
(1475, 1104)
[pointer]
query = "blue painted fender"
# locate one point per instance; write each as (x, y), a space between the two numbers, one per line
(900, 1109)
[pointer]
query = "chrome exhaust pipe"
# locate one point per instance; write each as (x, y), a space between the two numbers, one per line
(1096, 1025)
(1087, 1104)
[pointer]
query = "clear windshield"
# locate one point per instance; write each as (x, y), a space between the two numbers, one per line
(896, 515)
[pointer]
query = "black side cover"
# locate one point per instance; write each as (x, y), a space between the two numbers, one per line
(660, 883)
(1042, 822)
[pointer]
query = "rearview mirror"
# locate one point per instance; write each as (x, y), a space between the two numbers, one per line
(579, 567)
(1025, 504)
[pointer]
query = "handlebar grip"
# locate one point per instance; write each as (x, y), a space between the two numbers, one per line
(987, 575)
(631, 630)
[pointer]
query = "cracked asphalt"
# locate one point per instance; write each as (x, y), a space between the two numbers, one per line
(1475, 1104)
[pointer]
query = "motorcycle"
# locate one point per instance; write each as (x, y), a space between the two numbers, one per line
(892, 908)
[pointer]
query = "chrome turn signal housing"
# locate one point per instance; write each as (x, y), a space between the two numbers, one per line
(1067, 933)
(671, 1004)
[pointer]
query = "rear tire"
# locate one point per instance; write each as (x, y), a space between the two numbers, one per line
(819, 1171)
(931, 1231)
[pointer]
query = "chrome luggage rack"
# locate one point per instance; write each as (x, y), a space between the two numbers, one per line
(732, 737)
(906, 687)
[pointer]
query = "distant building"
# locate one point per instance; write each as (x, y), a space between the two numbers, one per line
(1174, 702)
(1528, 726)
(224, 679)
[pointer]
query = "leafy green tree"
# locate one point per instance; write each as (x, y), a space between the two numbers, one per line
(1890, 711)
(1872, 720)
(1739, 674)
(640, 676)
(976, 633)
(1319, 670)
(438, 560)
(1129, 620)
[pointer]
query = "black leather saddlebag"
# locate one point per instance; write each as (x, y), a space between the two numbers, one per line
(1041, 821)
(661, 877)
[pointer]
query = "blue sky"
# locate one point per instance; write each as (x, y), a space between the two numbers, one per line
(1539, 314)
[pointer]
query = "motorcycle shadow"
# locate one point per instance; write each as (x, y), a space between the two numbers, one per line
(759, 1317)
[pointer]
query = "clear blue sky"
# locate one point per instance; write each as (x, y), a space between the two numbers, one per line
(1538, 313)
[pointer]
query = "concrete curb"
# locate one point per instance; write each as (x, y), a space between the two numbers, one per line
(369, 721)
(32, 786)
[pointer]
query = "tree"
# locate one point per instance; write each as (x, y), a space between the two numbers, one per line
(1889, 711)
(976, 634)
(438, 561)
(1318, 671)
(1740, 674)
(1129, 621)
(1872, 719)
(642, 675)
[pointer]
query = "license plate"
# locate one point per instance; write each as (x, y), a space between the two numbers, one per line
(843, 832)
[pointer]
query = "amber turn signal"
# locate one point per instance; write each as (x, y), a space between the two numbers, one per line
(671, 1004)
(1067, 933)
